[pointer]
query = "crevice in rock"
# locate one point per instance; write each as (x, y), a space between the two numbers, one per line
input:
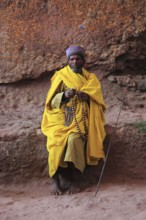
(43, 76)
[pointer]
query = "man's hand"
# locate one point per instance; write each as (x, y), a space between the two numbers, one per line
(83, 96)
(70, 93)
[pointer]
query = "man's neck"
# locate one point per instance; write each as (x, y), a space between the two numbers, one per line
(77, 71)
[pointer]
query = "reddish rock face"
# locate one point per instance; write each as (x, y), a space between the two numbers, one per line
(34, 35)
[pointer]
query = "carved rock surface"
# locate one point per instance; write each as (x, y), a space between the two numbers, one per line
(34, 35)
(23, 147)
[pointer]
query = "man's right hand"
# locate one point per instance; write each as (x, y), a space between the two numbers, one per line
(70, 93)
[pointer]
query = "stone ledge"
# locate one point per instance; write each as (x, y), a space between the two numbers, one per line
(26, 156)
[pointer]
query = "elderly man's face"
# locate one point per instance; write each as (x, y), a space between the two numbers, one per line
(76, 62)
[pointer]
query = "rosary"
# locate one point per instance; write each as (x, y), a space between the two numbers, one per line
(83, 136)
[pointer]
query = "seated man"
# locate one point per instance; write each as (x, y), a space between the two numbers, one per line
(73, 121)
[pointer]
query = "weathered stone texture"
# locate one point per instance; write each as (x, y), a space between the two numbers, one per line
(22, 145)
(34, 34)
(33, 37)
(127, 153)
(23, 148)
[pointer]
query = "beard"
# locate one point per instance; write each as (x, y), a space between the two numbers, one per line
(76, 69)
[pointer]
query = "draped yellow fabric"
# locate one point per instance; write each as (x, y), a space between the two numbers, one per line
(53, 119)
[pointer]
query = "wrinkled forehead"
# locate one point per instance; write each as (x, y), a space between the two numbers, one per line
(76, 56)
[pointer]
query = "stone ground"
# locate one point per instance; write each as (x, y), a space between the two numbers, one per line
(116, 199)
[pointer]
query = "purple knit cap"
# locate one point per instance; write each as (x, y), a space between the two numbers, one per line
(72, 50)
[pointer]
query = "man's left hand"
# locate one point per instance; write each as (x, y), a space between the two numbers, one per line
(83, 96)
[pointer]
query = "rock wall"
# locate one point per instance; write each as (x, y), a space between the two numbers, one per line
(33, 37)
(127, 152)
(23, 151)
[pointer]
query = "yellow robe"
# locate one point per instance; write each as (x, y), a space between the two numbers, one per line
(53, 118)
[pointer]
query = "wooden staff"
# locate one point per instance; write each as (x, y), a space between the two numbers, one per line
(107, 154)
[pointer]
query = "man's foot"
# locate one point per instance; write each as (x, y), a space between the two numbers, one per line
(73, 189)
(65, 183)
(55, 189)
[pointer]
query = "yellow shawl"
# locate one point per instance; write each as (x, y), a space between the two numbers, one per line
(53, 119)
